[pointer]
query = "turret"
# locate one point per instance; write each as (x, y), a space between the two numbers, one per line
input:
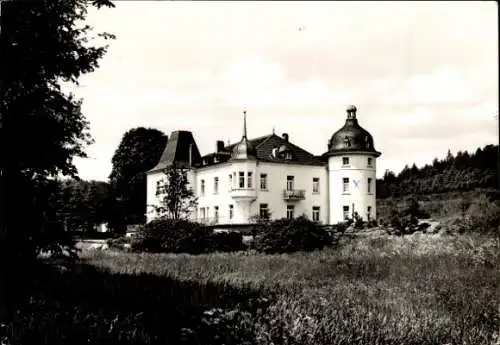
(351, 171)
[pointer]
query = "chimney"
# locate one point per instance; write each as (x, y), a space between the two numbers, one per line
(285, 136)
(190, 155)
(219, 146)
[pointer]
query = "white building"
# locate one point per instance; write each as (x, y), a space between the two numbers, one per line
(271, 174)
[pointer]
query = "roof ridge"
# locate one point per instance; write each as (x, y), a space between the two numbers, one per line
(298, 147)
(269, 136)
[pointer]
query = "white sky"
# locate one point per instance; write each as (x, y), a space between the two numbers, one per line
(423, 75)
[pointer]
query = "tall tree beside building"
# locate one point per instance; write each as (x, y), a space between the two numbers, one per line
(43, 43)
(177, 198)
(139, 151)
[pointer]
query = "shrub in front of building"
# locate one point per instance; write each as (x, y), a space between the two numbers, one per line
(183, 236)
(290, 235)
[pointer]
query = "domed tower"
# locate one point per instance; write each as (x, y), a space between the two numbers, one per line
(352, 171)
(243, 171)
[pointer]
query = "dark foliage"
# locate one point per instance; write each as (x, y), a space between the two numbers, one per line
(290, 235)
(139, 151)
(405, 220)
(119, 242)
(358, 221)
(84, 204)
(43, 127)
(182, 236)
(454, 173)
(177, 198)
(94, 235)
(227, 242)
(483, 215)
(87, 306)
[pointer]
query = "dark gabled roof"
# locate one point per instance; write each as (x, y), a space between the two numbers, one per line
(264, 146)
(177, 151)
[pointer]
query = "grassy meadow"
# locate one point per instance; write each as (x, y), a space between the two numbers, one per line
(409, 290)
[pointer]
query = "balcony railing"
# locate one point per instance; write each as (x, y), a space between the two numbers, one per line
(294, 194)
(244, 193)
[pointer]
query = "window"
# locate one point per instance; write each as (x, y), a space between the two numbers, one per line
(345, 210)
(249, 179)
(345, 185)
(315, 184)
(369, 212)
(345, 160)
(289, 211)
(289, 183)
(263, 181)
(202, 187)
(263, 211)
(202, 213)
(231, 211)
(370, 162)
(288, 156)
(369, 185)
(230, 184)
(315, 213)
(216, 185)
(158, 188)
(216, 213)
(241, 183)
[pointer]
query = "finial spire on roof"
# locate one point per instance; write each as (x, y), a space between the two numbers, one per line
(273, 129)
(245, 124)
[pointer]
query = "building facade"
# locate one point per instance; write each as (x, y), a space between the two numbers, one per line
(270, 176)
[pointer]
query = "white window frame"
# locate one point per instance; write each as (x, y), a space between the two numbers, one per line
(249, 179)
(290, 182)
(290, 211)
(345, 212)
(241, 179)
(216, 214)
(216, 185)
(315, 185)
(261, 208)
(263, 181)
(316, 213)
(345, 185)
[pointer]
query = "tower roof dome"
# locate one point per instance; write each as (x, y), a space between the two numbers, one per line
(244, 150)
(351, 137)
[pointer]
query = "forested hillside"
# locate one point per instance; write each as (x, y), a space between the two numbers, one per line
(465, 171)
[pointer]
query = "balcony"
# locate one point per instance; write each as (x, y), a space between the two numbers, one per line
(294, 194)
(244, 194)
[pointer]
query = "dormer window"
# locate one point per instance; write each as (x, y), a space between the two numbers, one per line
(347, 142)
(274, 152)
(216, 159)
(288, 155)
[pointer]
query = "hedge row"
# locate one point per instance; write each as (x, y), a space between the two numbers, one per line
(182, 236)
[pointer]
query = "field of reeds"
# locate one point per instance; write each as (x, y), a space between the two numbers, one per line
(426, 289)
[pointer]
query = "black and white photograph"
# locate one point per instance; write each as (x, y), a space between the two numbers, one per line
(249, 172)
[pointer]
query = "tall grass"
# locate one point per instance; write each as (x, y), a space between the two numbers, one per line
(409, 290)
